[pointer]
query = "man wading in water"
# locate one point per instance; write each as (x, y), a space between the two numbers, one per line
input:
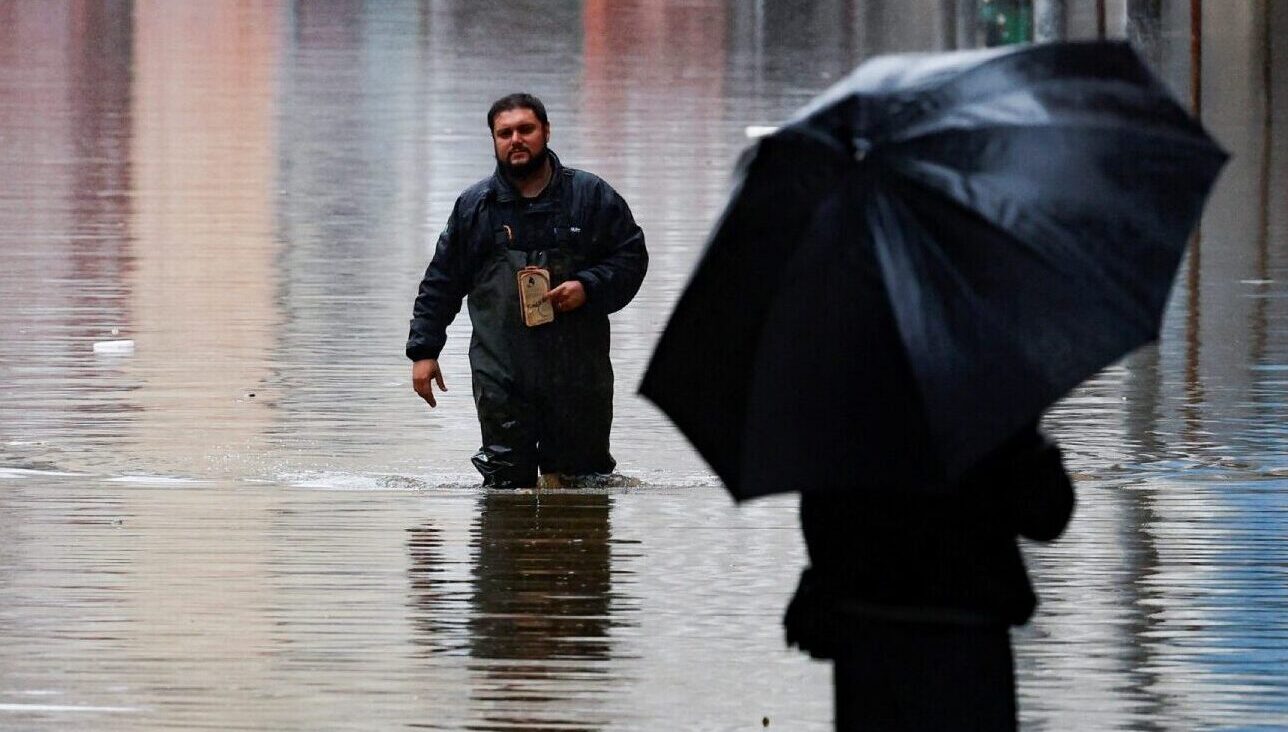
(543, 383)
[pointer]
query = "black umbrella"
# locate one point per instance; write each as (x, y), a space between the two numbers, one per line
(927, 257)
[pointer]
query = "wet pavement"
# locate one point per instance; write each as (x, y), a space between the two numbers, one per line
(247, 520)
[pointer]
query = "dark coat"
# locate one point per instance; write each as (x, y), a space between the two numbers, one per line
(908, 556)
(600, 230)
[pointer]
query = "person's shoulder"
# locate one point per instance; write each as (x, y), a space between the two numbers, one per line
(472, 201)
(586, 178)
(587, 182)
(475, 194)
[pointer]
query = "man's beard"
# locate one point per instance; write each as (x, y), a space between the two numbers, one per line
(521, 171)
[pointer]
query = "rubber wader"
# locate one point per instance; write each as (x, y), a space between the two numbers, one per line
(545, 393)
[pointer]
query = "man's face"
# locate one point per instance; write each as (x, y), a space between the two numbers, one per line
(520, 141)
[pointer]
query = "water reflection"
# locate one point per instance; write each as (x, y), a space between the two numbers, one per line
(539, 607)
(353, 72)
(439, 605)
(202, 288)
(65, 126)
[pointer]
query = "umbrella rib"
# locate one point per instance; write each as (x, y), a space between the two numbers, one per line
(886, 148)
(936, 104)
(916, 186)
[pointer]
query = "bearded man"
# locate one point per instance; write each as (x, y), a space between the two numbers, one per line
(543, 387)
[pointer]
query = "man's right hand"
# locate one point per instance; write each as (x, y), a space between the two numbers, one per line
(423, 374)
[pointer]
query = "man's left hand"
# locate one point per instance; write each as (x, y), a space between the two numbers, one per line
(568, 296)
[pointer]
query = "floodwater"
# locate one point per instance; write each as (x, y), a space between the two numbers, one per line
(248, 521)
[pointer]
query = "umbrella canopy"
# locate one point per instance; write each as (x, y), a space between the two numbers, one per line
(924, 259)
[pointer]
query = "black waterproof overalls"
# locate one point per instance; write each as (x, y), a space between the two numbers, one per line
(544, 393)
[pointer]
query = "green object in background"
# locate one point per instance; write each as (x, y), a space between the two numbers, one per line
(1005, 22)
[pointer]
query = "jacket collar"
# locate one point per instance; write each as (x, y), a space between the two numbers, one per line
(505, 191)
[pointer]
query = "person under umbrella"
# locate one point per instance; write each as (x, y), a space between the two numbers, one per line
(907, 275)
(909, 593)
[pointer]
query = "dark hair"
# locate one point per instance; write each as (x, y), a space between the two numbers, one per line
(520, 100)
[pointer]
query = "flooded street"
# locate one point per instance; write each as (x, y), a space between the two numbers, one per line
(247, 520)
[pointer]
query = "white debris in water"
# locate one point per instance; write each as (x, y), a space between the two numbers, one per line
(1256, 282)
(62, 708)
(140, 479)
(755, 131)
(122, 346)
(36, 471)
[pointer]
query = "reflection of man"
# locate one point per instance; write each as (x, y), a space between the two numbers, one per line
(542, 581)
(544, 393)
(540, 607)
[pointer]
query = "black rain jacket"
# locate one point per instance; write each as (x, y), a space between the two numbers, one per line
(602, 231)
(904, 556)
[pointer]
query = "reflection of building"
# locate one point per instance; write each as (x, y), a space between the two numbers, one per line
(64, 190)
(1216, 318)
(202, 289)
(652, 120)
(202, 294)
(64, 157)
(1220, 319)
(650, 93)
(1234, 108)
(351, 169)
(1196, 397)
